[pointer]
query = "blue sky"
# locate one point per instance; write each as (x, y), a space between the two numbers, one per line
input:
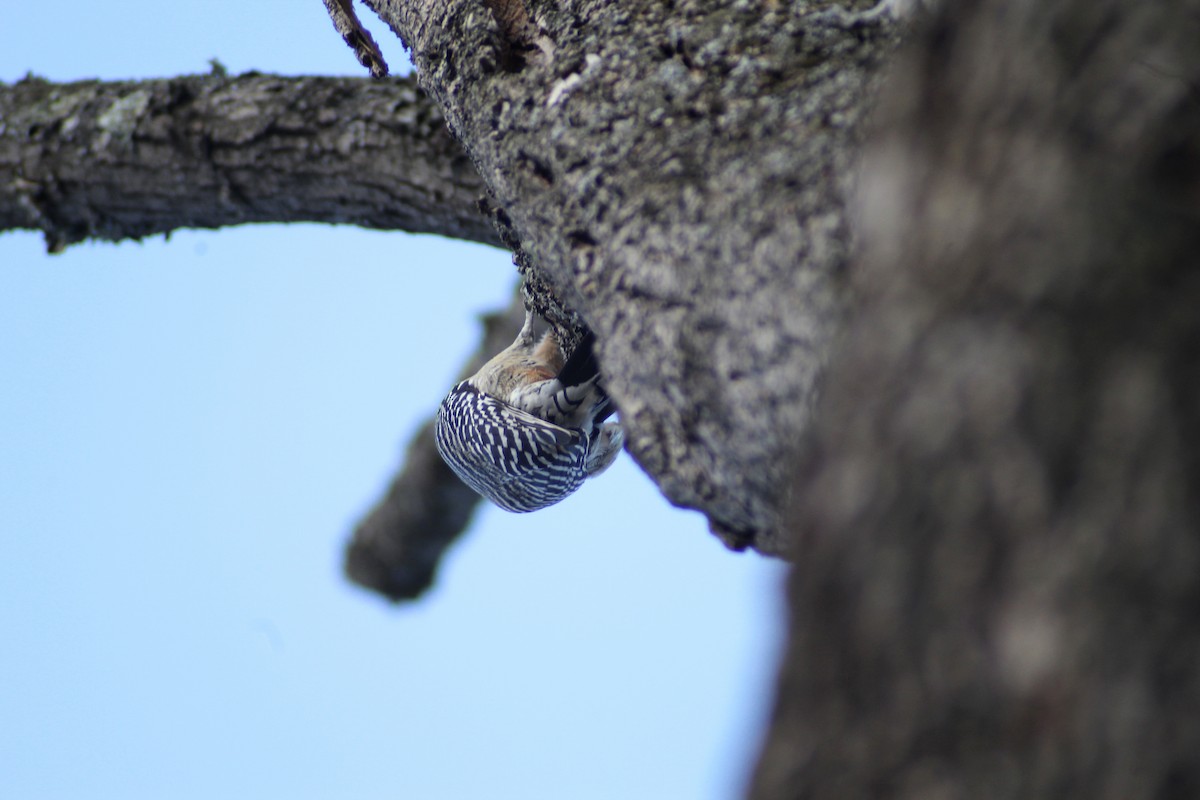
(189, 430)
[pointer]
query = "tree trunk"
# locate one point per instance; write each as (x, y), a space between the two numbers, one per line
(996, 589)
(673, 174)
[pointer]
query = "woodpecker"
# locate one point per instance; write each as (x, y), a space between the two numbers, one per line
(528, 428)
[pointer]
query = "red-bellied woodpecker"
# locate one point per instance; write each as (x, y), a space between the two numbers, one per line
(528, 428)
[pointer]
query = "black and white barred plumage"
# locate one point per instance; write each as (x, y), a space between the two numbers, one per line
(526, 430)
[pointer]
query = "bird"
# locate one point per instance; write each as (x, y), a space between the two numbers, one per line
(528, 428)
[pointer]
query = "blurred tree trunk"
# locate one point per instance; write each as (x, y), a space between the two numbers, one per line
(996, 589)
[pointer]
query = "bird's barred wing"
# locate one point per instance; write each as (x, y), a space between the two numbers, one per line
(517, 460)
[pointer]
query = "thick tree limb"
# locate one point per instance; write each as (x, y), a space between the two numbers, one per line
(997, 557)
(126, 160)
(396, 549)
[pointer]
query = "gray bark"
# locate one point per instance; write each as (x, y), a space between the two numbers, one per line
(346, 21)
(996, 591)
(130, 159)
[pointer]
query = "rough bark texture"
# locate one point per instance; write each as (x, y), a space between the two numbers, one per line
(130, 159)
(674, 174)
(997, 581)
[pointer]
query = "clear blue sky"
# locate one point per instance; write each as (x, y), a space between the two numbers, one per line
(189, 430)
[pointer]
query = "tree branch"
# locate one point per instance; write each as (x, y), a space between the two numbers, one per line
(346, 21)
(396, 549)
(129, 159)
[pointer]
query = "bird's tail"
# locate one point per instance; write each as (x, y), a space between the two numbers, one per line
(582, 367)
